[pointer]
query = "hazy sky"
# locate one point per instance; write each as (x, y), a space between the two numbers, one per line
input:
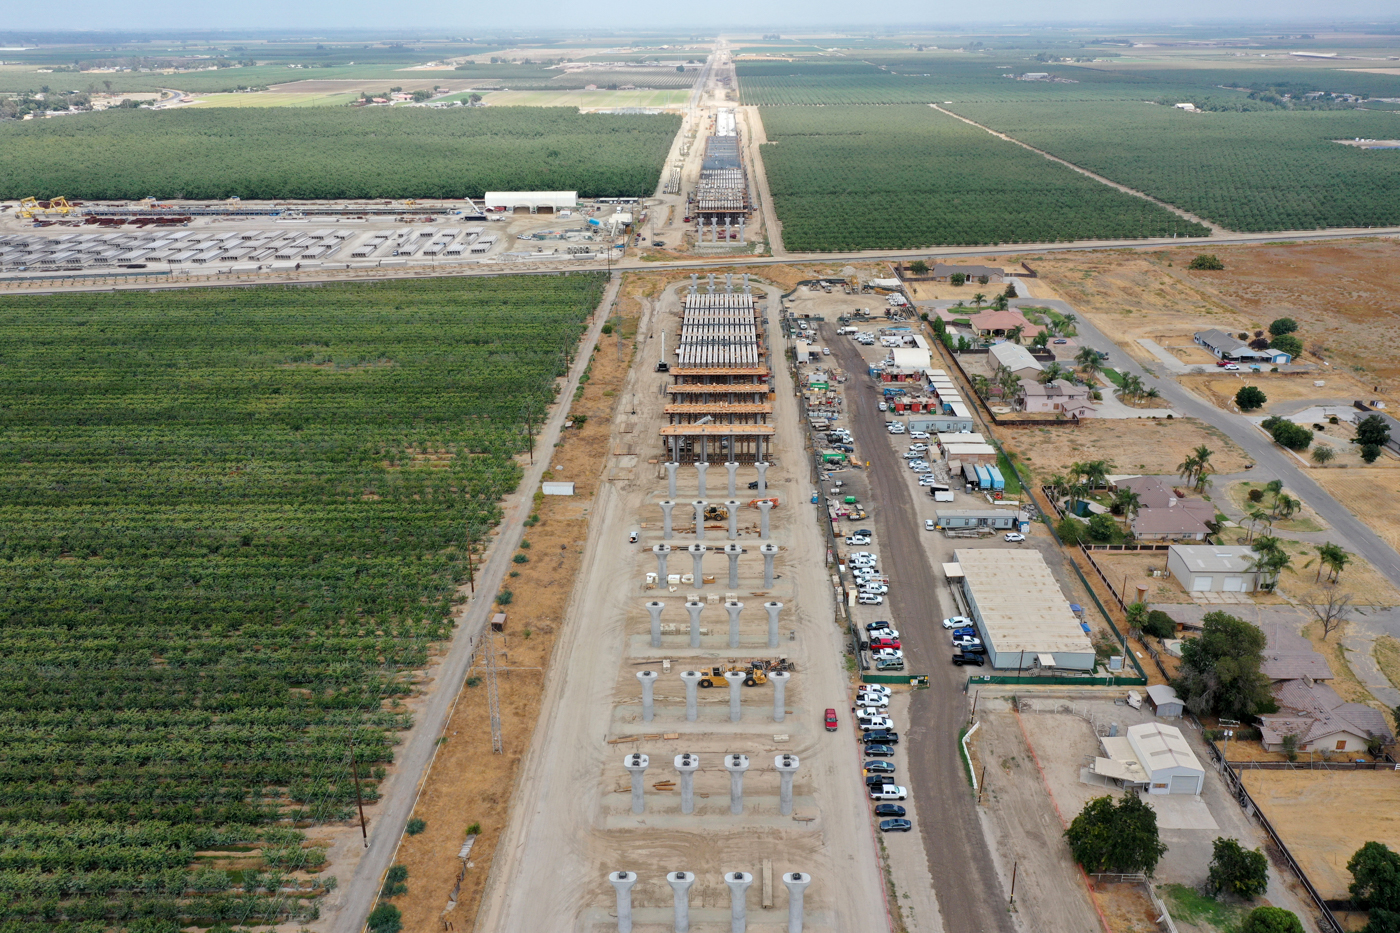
(471, 16)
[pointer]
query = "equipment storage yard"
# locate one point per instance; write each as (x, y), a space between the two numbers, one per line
(573, 816)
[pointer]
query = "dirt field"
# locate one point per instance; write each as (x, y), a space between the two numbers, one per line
(464, 785)
(1325, 816)
(1280, 389)
(1133, 567)
(1372, 495)
(1148, 447)
(1342, 295)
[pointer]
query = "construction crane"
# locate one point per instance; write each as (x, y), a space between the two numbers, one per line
(29, 207)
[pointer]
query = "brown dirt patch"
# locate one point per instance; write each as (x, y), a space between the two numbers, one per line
(468, 783)
(1133, 568)
(1221, 387)
(1341, 293)
(1132, 446)
(1372, 495)
(1126, 907)
(1325, 816)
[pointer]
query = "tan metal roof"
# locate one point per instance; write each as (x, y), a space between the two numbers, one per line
(1021, 605)
(760, 388)
(716, 430)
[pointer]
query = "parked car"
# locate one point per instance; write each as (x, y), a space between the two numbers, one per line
(927, 479)
(889, 792)
(865, 600)
(978, 648)
(887, 654)
(929, 525)
(883, 642)
(875, 724)
(1060, 340)
(888, 809)
(1231, 368)
(883, 406)
(864, 531)
(896, 826)
(880, 751)
(889, 664)
(857, 539)
(965, 630)
(881, 689)
(632, 538)
(956, 622)
(963, 657)
(920, 448)
(1014, 536)
(878, 780)
(831, 722)
(879, 767)
(875, 589)
(872, 701)
(880, 737)
(964, 641)
(918, 435)
(880, 630)
(753, 485)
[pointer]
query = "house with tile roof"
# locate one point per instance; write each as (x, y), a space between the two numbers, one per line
(1320, 720)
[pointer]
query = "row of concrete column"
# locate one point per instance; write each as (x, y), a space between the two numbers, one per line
(732, 466)
(730, 505)
(697, 560)
(735, 679)
(738, 883)
(694, 608)
(714, 229)
(687, 764)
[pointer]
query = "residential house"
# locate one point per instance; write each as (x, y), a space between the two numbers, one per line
(942, 272)
(1228, 347)
(1290, 656)
(1061, 396)
(1161, 514)
(1320, 720)
(998, 323)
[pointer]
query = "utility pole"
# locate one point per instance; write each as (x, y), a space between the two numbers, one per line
(359, 801)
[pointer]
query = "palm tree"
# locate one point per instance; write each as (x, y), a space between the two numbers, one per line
(977, 299)
(1256, 515)
(999, 303)
(1132, 388)
(1014, 334)
(1337, 561)
(1324, 551)
(981, 385)
(1088, 360)
(1285, 506)
(1041, 339)
(1202, 455)
(1058, 484)
(1274, 486)
(1050, 373)
(1095, 472)
(1151, 393)
(1127, 502)
(1066, 325)
(1270, 560)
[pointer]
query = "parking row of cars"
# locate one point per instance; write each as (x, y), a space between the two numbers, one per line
(879, 738)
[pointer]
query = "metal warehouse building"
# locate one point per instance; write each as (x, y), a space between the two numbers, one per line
(1020, 611)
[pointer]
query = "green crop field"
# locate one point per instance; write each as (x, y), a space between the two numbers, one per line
(903, 177)
(1258, 171)
(235, 522)
(334, 152)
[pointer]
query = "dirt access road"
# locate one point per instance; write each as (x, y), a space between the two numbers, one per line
(964, 876)
(571, 822)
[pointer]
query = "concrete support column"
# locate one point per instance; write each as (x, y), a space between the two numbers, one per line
(648, 679)
(671, 467)
(694, 609)
(738, 882)
(734, 609)
(692, 684)
(736, 686)
(762, 477)
(687, 764)
(779, 681)
(699, 505)
(654, 607)
(731, 466)
(741, 239)
(697, 559)
(636, 763)
(796, 883)
(680, 882)
(736, 765)
(661, 551)
(769, 551)
(666, 507)
(700, 469)
(622, 882)
(773, 610)
(787, 767)
(764, 507)
(733, 506)
(732, 551)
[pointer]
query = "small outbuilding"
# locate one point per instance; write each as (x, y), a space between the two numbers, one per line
(1164, 701)
(1213, 568)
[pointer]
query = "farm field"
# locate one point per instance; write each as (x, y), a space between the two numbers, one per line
(656, 78)
(847, 178)
(237, 522)
(320, 152)
(1248, 172)
(275, 99)
(586, 100)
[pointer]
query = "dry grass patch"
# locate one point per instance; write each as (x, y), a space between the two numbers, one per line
(1132, 446)
(1387, 655)
(1372, 495)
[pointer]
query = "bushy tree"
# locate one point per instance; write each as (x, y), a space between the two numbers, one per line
(1071, 530)
(1102, 527)
(1219, 670)
(1271, 920)
(1370, 452)
(1288, 344)
(1249, 398)
(1375, 872)
(1373, 430)
(385, 919)
(1159, 625)
(1283, 325)
(1207, 261)
(1119, 837)
(1287, 434)
(1237, 870)
(918, 267)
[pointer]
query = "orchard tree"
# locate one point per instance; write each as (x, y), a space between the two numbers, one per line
(1251, 397)
(1237, 870)
(1105, 837)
